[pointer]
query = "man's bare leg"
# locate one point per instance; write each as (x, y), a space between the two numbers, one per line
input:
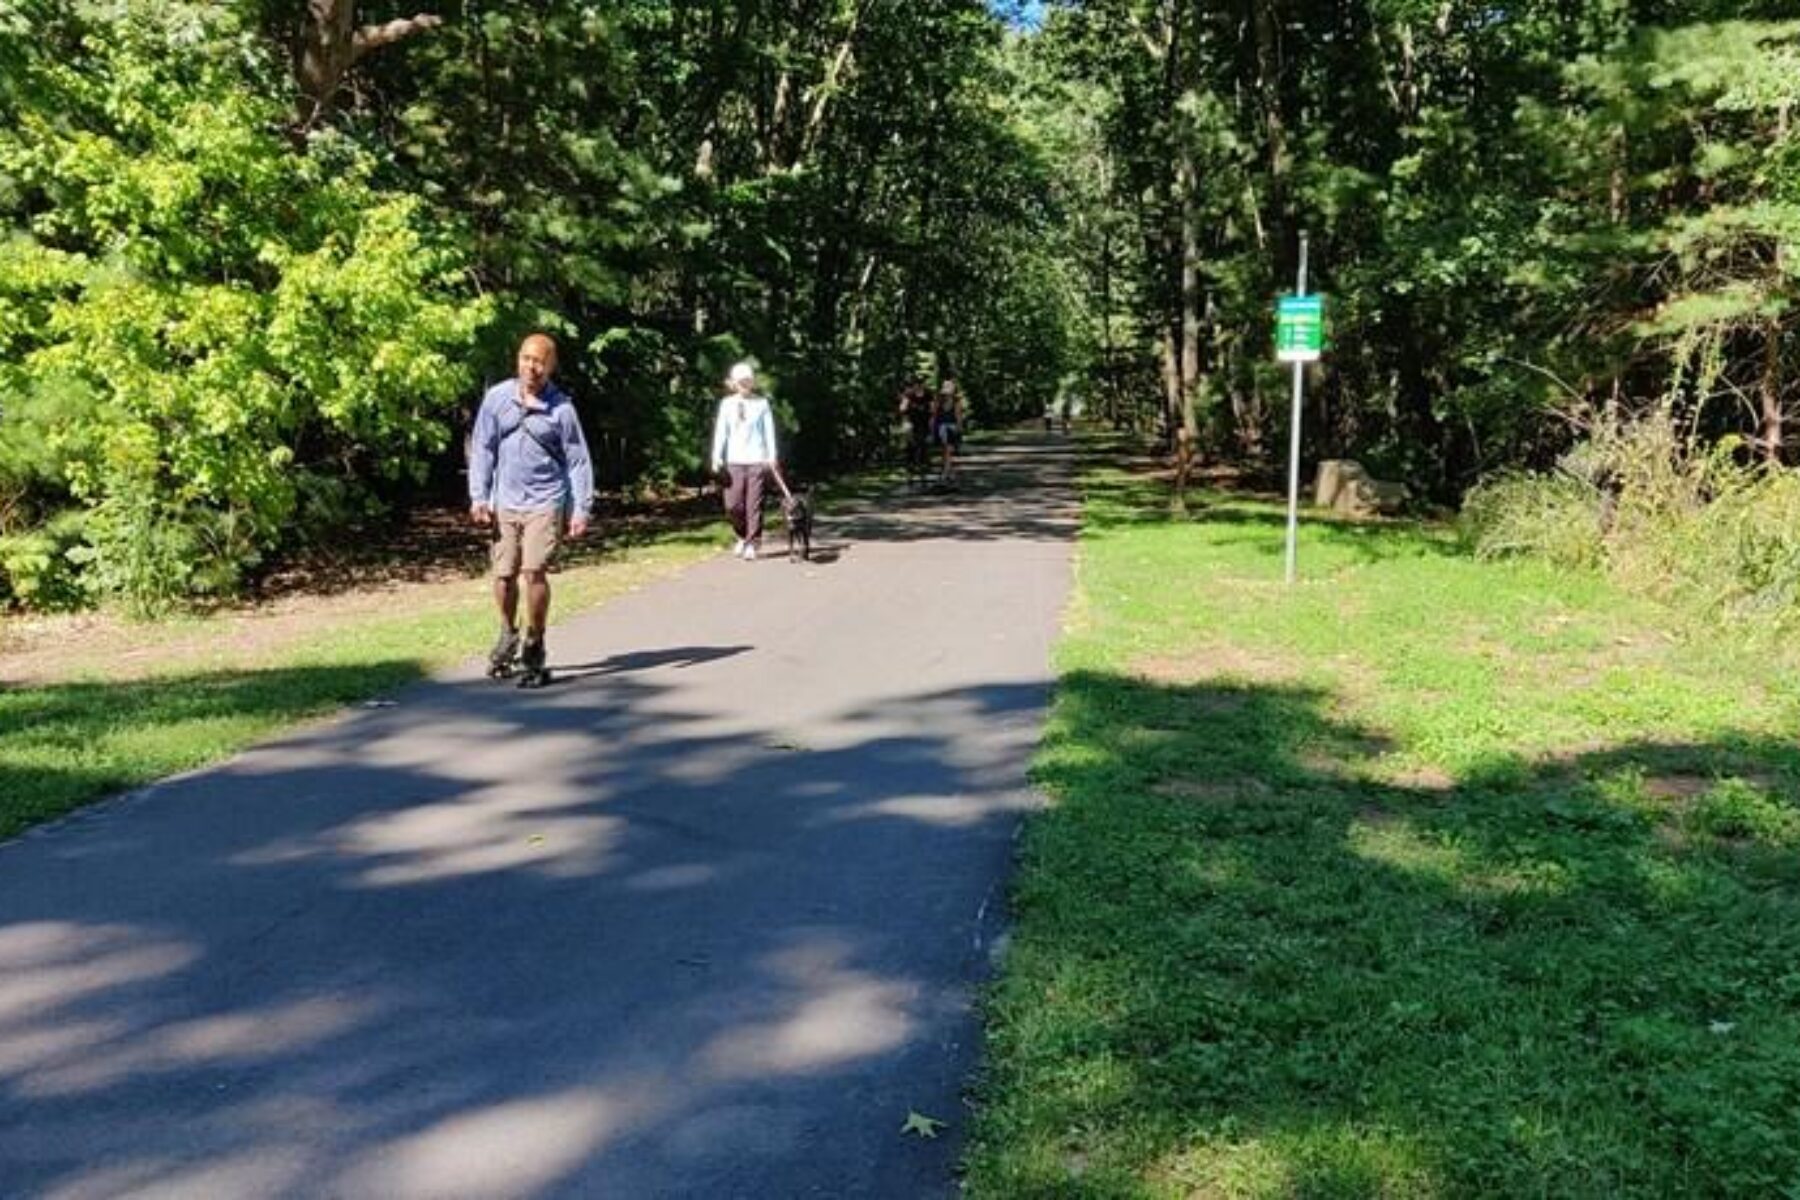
(531, 650)
(506, 599)
(537, 601)
(505, 653)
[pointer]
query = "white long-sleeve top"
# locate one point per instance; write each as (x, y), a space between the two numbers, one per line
(744, 432)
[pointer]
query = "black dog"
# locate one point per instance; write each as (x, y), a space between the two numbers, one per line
(797, 513)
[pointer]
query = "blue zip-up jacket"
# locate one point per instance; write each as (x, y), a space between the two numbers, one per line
(529, 461)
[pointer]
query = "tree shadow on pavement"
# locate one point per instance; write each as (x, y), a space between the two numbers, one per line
(661, 930)
(1008, 491)
(488, 942)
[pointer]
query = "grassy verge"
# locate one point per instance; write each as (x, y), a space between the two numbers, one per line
(1427, 877)
(200, 690)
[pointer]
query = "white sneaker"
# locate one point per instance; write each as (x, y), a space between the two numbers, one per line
(737, 548)
(749, 552)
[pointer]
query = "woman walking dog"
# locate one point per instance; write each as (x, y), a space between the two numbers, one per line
(744, 445)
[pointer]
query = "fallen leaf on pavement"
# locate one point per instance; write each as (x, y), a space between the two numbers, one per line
(919, 1123)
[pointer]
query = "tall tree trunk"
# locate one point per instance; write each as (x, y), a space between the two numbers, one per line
(1171, 380)
(1168, 256)
(1415, 412)
(1616, 209)
(1108, 354)
(1191, 364)
(1773, 416)
(1177, 219)
(331, 43)
(1268, 95)
(1769, 388)
(1249, 408)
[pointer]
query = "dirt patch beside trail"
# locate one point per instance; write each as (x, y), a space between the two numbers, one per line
(432, 561)
(437, 544)
(1220, 662)
(57, 648)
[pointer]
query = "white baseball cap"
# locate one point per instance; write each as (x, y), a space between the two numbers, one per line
(741, 373)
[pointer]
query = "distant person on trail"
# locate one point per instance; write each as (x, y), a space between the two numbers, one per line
(528, 470)
(744, 445)
(1063, 407)
(915, 407)
(947, 423)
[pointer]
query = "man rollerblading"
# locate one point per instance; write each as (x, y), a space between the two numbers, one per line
(528, 466)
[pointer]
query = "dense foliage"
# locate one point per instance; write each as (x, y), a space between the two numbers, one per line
(1516, 209)
(257, 256)
(209, 334)
(247, 293)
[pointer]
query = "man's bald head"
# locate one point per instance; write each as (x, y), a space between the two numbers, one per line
(543, 343)
(537, 362)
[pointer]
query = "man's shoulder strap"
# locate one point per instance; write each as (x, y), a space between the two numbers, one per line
(551, 445)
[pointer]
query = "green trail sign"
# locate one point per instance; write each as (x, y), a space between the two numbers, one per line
(1299, 339)
(1299, 328)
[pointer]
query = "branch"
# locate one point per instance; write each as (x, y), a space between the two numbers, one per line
(1547, 373)
(829, 84)
(374, 37)
(1159, 51)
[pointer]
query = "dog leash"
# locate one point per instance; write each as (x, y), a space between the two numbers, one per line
(775, 469)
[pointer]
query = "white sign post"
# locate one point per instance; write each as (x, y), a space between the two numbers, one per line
(1299, 339)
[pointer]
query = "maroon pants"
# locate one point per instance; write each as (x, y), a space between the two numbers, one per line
(743, 501)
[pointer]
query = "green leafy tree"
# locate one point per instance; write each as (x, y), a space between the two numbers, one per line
(218, 339)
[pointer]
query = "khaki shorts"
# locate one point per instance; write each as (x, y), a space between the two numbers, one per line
(525, 540)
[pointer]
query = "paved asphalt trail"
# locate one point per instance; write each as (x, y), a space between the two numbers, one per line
(704, 919)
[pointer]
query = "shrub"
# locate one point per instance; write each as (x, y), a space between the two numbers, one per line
(36, 570)
(1743, 549)
(1662, 511)
(1558, 518)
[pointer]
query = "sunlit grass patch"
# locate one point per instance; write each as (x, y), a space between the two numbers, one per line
(1426, 877)
(1330, 1161)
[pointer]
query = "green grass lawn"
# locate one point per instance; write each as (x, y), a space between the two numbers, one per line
(69, 741)
(1425, 877)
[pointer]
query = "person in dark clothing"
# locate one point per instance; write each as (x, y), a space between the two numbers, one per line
(915, 408)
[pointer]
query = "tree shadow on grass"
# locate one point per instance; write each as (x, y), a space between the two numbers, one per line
(1254, 961)
(64, 745)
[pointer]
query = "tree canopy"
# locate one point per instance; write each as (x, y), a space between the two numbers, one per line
(258, 256)
(1517, 209)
